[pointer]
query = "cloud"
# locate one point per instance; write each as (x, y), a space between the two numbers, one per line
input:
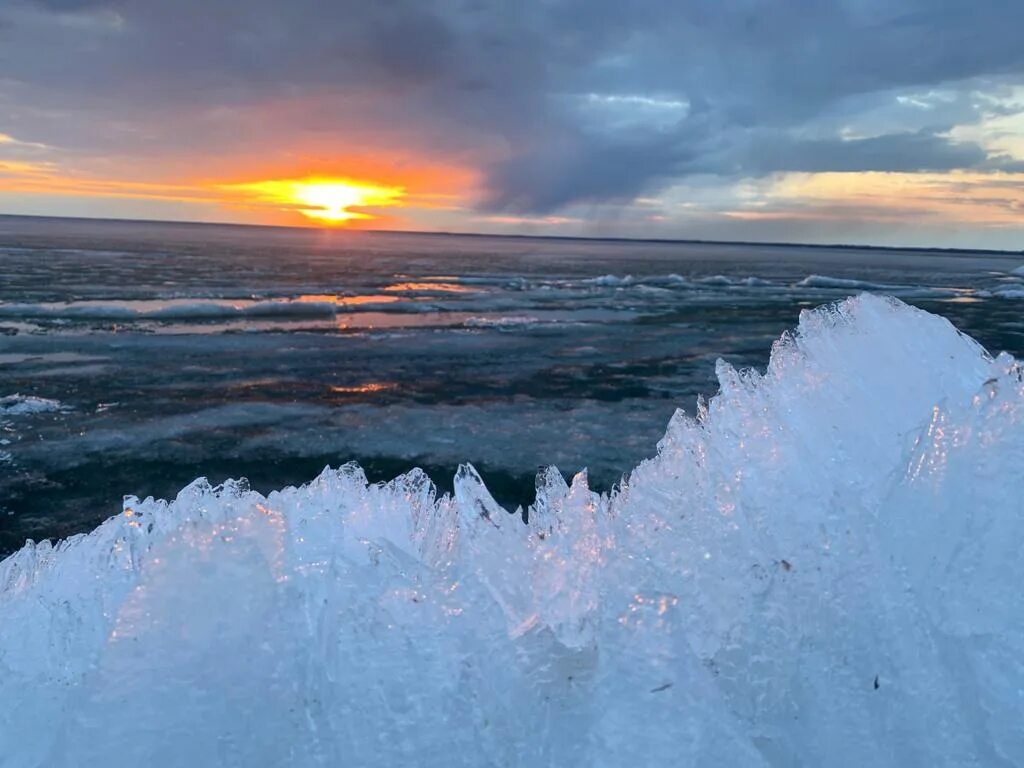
(901, 152)
(71, 6)
(984, 199)
(577, 169)
(556, 104)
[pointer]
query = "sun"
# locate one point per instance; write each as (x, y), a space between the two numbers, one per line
(333, 200)
(330, 201)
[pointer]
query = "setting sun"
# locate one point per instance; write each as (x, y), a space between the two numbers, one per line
(333, 201)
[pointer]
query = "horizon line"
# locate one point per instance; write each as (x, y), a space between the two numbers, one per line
(585, 238)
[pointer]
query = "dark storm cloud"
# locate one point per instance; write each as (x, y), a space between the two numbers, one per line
(904, 152)
(558, 102)
(70, 6)
(580, 169)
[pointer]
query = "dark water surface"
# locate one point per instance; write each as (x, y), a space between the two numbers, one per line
(135, 357)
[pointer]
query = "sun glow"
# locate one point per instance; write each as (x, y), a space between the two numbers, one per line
(331, 201)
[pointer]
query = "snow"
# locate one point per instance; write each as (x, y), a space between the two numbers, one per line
(821, 568)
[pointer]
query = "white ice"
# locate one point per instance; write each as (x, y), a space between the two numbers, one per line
(27, 405)
(823, 568)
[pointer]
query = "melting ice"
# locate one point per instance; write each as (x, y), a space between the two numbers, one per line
(823, 567)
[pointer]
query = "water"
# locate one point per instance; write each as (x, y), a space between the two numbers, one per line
(162, 352)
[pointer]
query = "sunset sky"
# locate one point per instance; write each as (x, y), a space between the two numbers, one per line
(896, 122)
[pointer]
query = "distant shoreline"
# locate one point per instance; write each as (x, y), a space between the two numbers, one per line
(563, 238)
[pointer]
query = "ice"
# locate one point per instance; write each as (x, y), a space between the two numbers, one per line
(174, 309)
(822, 567)
(730, 282)
(27, 405)
(675, 281)
(825, 281)
(510, 321)
(846, 285)
(1009, 292)
(610, 280)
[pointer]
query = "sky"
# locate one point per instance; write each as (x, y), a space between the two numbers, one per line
(889, 122)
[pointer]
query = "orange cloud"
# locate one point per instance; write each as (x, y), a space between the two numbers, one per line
(305, 192)
(550, 220)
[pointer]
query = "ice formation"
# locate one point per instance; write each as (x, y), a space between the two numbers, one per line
(26, 405)
(822, 568)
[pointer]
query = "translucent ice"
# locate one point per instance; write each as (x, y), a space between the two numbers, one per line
(822, 568)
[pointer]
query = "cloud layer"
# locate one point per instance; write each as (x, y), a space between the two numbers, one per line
(551, 106)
